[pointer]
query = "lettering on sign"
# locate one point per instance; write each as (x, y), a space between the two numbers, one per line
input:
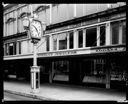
(60, 53)
(76, 52)
(111, 49)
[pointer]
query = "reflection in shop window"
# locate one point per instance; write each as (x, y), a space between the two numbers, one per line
(124, 32)
(102, 35)
(118, 32)
(115, 33)
(61, 70)
(99, 67)
(80, 38)
(94, 71)
(71, 40)
(62, 41)
(55, 42)
(118, 70)
(61, 67)
(91, 34)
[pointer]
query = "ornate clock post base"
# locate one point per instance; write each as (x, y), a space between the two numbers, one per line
(35, 79)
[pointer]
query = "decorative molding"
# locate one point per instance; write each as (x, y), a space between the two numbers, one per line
(40, 8)
(10, 20)
(22, 15)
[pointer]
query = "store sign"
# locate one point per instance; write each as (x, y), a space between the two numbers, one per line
(59, 53)
(111, 49)
(86, 51)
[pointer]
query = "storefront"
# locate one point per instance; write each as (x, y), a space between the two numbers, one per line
(104, 66)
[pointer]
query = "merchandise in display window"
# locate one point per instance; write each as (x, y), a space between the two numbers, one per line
(95, 71)
(118, 72)
(61, 70)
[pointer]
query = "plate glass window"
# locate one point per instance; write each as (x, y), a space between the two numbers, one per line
(102, 35)
(80, 38)
(71, 40)
(62, 41)
(91, 35)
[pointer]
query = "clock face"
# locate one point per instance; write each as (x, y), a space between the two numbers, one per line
(35, 28)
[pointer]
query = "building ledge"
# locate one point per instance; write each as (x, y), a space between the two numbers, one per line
(15, 35)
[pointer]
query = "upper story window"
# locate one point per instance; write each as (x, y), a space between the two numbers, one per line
(102, 35)
(124, 32)
(118, 32)
(91, 36)
(54, 37)
(80, 38)
(10, 48)
(115, 33)
(71, 40)
(47, 43)
(62, 41)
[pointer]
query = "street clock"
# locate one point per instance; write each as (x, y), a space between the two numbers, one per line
(36, 29)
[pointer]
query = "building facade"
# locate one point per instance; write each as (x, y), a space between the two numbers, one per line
(83, 43)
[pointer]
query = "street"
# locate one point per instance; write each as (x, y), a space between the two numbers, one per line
(13, 97)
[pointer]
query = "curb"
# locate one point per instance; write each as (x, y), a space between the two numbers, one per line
(30, 95)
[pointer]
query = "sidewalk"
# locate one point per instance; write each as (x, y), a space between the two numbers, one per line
(65, 92)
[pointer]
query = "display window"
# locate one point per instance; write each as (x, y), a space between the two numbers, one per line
(61, 70)
(94, 71)
(118, 70)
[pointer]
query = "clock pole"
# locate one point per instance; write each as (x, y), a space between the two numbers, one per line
(39, 28)
(35, 70)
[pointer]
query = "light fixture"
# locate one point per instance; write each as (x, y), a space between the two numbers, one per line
(26, 23)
